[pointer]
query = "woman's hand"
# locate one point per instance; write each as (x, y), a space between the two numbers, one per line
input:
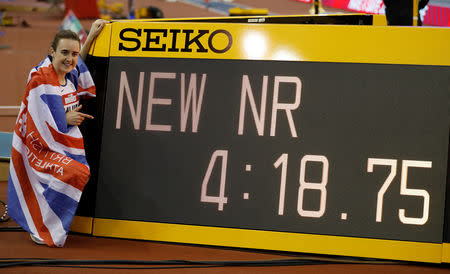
(75, 118)
(96, 28)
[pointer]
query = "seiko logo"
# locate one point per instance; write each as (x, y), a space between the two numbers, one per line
(167, 39)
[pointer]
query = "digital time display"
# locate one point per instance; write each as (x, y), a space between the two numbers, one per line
(341, 149)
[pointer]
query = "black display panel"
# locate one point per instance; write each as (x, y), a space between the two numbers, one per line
(308, 147)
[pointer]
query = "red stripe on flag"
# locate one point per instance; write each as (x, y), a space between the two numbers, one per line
(447, 21)
(439, 16)
(30, 198)
(90, 90)
(45, 75)
(65, 139)
(19, 124)
(43, 159)
(444, 16)
(425, 17)
(434, 22)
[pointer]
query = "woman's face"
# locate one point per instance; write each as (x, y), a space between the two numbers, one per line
(66, 55)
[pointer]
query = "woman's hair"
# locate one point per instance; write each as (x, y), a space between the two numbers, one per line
(64, 34)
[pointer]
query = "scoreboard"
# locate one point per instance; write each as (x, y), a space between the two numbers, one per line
(308, 138)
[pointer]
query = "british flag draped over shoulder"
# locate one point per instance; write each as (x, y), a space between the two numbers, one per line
(48, 168)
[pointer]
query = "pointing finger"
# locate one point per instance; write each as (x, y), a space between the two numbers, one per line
(77, 108)
(86, 115)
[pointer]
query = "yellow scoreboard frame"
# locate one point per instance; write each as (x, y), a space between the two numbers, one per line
(271, 42)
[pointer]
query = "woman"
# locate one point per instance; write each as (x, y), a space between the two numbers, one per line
(48, 168)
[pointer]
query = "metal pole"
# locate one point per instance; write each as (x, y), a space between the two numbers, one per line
(131, 8)
(415, 15)
(316, 6)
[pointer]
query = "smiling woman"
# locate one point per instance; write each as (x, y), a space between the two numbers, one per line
(65, 50)
(48, 169)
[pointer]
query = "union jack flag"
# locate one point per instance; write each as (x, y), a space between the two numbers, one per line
(48, 168)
